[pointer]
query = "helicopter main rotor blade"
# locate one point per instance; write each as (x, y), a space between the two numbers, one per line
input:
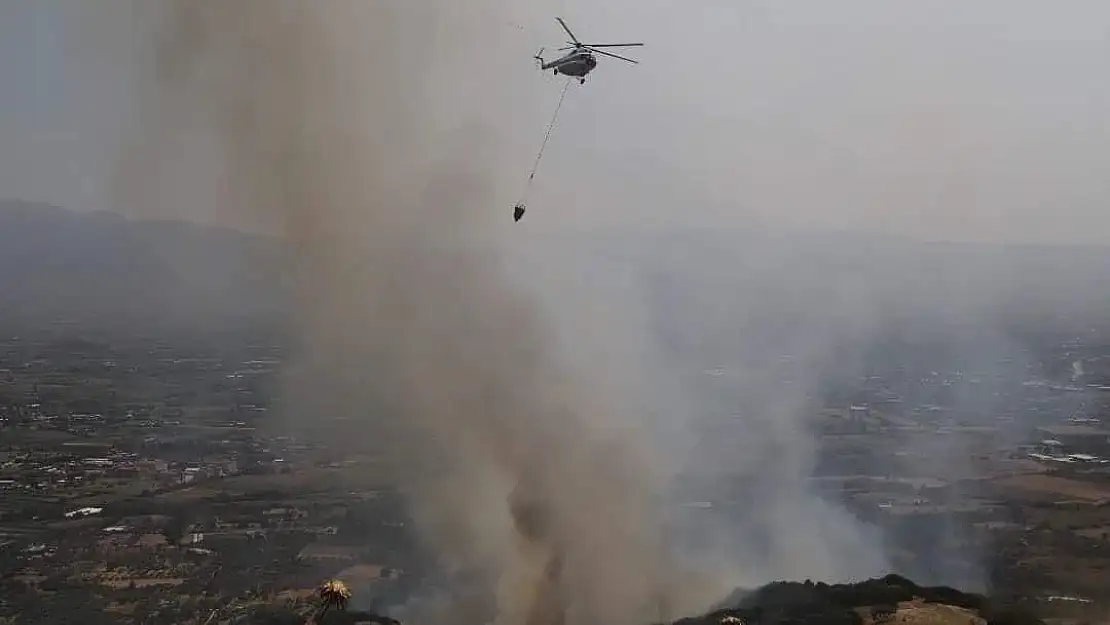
(567, 28)
(615, 56)
(611, 45)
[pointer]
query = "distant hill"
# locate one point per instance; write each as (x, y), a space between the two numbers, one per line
(101, 270)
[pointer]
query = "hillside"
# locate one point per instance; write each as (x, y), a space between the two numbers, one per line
(891, 599)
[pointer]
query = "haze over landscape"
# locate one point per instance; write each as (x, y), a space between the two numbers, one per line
(784, 218)
(946, 120)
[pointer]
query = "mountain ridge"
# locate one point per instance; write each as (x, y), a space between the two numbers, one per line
(101, 268)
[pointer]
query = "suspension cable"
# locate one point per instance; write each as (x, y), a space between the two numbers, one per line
(546, 136)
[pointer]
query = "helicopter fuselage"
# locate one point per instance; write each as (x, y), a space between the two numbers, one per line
(576, 64)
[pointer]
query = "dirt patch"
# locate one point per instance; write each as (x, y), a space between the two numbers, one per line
(1064, 487)
(192, 494)
(31, 579)
(143, 582)
(295, 594)
(1095, 533)
(921, 613)
(152, 540)
(121, 608)
(360, 573)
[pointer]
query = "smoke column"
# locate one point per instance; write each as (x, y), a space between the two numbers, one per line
(325, 122)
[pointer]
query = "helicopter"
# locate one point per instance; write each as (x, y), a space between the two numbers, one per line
(580, 60)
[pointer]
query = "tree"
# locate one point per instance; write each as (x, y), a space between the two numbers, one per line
(332, 593)
(174, 530)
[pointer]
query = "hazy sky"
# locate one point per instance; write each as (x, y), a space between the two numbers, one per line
(983, 119)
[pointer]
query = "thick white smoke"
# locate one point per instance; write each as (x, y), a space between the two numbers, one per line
(330, 126)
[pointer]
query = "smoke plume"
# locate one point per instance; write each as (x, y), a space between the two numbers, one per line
(325, 122)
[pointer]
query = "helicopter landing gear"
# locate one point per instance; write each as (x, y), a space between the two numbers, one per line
(555, 72)
(581, 81)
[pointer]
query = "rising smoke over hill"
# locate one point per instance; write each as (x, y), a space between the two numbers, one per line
(526, 472)
(516, 464)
